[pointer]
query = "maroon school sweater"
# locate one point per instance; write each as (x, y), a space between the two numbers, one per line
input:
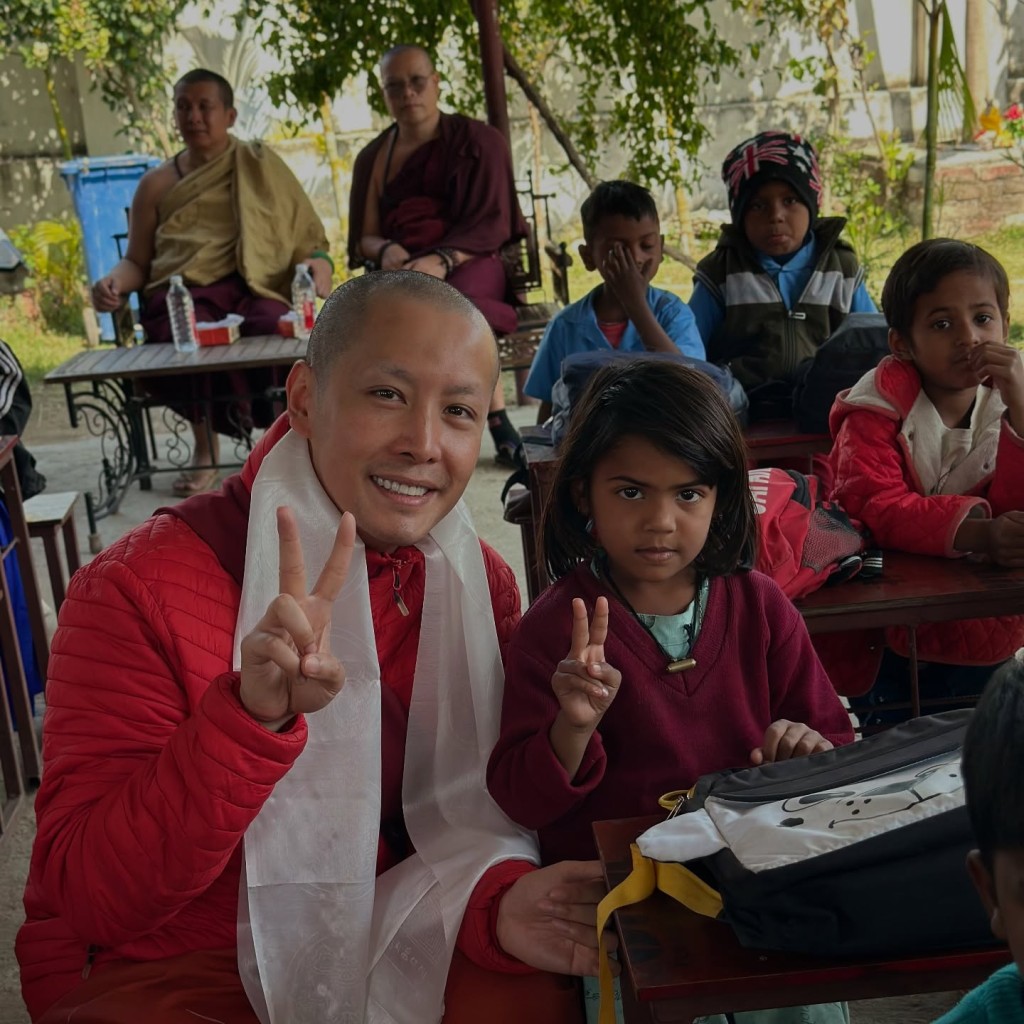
(755, 664)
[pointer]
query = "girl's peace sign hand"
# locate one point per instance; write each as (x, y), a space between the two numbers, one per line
(584, 683)
(287, 665)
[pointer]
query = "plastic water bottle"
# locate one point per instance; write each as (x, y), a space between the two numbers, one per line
(183, 316)
(303, 300)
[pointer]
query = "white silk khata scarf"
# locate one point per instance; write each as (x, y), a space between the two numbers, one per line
(320, 939)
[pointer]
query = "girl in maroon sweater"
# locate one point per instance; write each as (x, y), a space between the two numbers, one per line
(655, 657)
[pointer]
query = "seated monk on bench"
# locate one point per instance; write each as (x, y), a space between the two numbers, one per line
(232, 220)
(435, 193)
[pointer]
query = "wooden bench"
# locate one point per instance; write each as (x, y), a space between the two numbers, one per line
(47, 515)
(524, 271)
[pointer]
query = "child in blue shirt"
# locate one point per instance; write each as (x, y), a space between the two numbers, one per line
(780, 280)
(993, 772)
(623, 243)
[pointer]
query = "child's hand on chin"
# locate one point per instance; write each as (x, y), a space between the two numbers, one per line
(784, 739)
(584, 683)
(999, 366)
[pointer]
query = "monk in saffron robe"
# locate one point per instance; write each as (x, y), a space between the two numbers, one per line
(232, 220)
(435, 193)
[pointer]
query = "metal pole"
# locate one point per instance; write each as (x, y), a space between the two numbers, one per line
(492, 57)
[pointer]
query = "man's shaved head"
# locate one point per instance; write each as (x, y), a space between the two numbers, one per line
(340, 322)
(397, 51)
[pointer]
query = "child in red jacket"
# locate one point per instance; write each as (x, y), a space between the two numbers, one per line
(655, 658)
(929, 447)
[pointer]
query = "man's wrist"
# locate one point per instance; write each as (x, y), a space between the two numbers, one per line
(381, 249)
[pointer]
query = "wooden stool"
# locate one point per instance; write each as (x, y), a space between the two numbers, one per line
(45, 515)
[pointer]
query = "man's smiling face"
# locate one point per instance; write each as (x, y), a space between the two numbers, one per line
(394, 432)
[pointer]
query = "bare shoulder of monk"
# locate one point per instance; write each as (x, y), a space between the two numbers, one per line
(155, 184)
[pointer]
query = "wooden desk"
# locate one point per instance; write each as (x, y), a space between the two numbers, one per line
(15, 771)
(771, 441)
(102, 389)
(915, 589)
(678, 965)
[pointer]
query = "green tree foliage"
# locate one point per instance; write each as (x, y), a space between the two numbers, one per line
(639, 68)
(119, 41)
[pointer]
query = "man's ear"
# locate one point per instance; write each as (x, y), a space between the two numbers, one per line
(586, 256)
(899, 346)
(301, 391)
(986, 886)
(232, 117)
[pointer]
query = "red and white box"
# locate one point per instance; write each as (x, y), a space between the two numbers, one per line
(220, 332)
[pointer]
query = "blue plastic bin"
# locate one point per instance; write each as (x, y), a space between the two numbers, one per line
(101, 187)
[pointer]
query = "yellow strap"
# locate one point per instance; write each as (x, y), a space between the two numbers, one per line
(677, 881)
(636, 887)
(693, 892)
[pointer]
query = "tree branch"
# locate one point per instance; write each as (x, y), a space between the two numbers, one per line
(550, 119)
(535, 98)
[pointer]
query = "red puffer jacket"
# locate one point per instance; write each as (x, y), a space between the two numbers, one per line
(889, 472)
(154, 770)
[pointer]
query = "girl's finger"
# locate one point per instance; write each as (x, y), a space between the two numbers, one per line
(599, 627)
(564, 684)
(580, 630)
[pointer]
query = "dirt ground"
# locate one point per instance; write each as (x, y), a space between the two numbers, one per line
(68, 459)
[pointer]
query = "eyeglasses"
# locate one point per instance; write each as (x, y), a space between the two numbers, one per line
(396, 87)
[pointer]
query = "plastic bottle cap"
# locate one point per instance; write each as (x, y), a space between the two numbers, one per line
(301, 266)
(176, 279)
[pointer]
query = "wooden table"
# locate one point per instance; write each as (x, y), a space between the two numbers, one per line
(16, 770)
(678, 965)
(103, 389)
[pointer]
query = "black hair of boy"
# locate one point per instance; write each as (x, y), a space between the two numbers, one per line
(993, 764)
(616, 199)
(198, 75)
(683, 414)
(920, 269)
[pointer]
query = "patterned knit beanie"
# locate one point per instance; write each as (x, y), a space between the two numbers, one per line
(772, 156)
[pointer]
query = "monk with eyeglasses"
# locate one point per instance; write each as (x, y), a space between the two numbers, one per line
(435, 192)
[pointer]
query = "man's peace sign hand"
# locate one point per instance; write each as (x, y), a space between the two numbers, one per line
(584, 683)
(287, 665)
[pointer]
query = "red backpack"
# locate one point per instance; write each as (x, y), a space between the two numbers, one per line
(804, 541)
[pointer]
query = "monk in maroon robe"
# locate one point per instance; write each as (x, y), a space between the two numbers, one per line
(435, 193)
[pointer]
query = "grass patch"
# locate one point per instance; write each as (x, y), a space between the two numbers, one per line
(38, 349)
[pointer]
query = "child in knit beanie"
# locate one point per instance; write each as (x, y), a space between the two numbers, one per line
(780, 280)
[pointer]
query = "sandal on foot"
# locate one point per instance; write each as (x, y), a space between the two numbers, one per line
(194, 481)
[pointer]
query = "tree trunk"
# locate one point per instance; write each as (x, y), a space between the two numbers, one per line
(330, 127)
(550, 119)
(58, 117)
(931, 131)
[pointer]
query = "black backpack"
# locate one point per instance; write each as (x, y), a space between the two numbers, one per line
(858, 345)
(867, 848)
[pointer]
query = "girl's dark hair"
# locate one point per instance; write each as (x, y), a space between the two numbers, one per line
(993, 763)
(920, 269)
(683, 414)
